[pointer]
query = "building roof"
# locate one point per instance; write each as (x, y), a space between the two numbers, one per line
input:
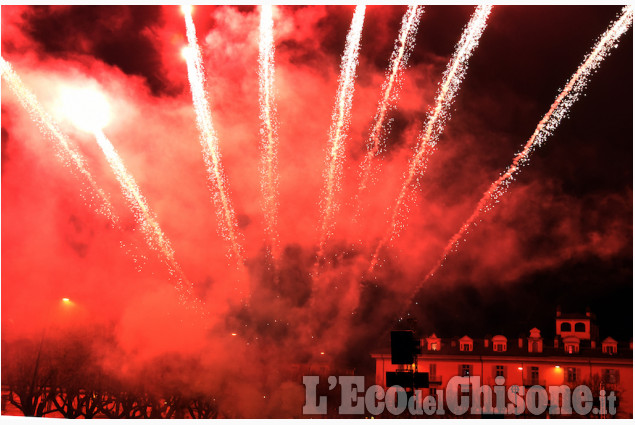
(513, 350)
(575, 316)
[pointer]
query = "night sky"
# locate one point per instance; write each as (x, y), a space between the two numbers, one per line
(562, 234)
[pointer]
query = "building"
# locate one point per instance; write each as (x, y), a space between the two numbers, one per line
(576, 356)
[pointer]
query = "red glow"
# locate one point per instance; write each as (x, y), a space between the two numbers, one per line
(56, 242)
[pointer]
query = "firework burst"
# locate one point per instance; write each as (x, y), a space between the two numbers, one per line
(269, 131)
(228, 224)
(339, 129)
(70, 156)
(146, 219)
(390, 90)
(452, 78)
(547, 125)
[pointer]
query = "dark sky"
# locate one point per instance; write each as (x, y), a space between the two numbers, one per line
(562, 235)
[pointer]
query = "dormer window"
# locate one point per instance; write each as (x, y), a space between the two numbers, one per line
(609, 346)
(433, 343)
(499, 343)
(466, 343)
(534, 341)
(571, 344)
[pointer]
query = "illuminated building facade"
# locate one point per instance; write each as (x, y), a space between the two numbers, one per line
(576, 356)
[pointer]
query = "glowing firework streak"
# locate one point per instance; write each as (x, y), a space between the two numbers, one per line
(150, 228)
(547, 125)
(339, 127)
(196, 74)
(68, 154)
(269, 130)
(437, 118)
(390, 88)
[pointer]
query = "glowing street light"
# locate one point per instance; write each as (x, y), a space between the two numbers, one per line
(186, 9)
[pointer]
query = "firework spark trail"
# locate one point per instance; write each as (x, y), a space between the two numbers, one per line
(67, 153)
(150, 228)
(70, 156)
(228, 225)
(339, 127)
(269, 130)
(390, 88)
(154, 236)
(547, 125)
(437, 118)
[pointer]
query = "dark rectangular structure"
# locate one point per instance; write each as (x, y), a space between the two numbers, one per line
(402, 347)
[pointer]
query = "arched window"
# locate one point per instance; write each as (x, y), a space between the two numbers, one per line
(580, 327)
(565, 327)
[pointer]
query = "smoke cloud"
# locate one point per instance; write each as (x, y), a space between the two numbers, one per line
(567, 218)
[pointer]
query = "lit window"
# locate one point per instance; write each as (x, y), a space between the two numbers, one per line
(434, 346)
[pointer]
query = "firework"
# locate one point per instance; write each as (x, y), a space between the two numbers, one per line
(339, 127)
(146, 219)
(269, 130)
(75, 105)
(437, 118)
(547, 125)
(209, 141)
(96, 197)
(390, 89)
